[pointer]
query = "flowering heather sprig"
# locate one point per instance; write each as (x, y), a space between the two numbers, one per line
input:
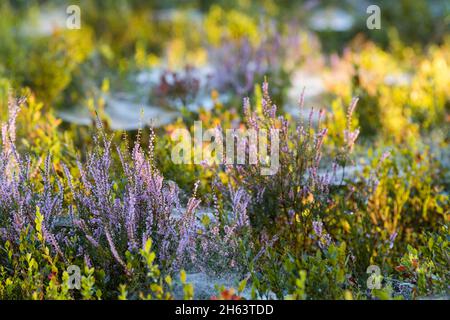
(49, 237)
(114, 250)
(392, 238)
(9, 128)
(349, 135)
(188, 228)
(322, 237)
(240, 201)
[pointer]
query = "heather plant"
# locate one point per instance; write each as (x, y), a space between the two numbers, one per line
(101, 217)
(299, 191)
(106, 221)
(226, 242)
(288, 206)
(18, 190)
(120, 212)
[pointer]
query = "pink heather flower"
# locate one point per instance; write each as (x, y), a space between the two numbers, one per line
(265, 88)
(323, 238)
(350, 138)
(87, 261)
(114, 250)
(392, 238)
(385, 155)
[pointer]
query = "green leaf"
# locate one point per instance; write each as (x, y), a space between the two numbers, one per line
(242, 285)
(183, 276)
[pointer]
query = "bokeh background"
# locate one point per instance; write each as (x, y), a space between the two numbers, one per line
(165, 64)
